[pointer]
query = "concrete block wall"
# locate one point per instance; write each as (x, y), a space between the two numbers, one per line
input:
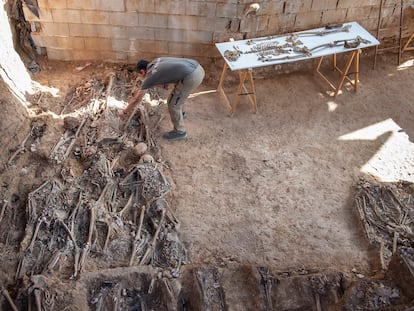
(128, 30)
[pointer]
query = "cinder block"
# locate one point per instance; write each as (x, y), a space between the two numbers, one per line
(98, 44)
(292, 7)
(387, 12)
(345, 4)
(55, 29)
(198, 36)
(357, 4)
(85, 55)
(370, 24)
(124, 32)
(153, 20)
(81, 4)
(200, 8)
(119, 56)
(66, 16)
(356, 14)
(307, 20)
(321, 5)
(110, 5)
(70, 42)
(94, 17)
(227, 10)
(333, 16)
(123, 18)
(142, 6)
(64, 43)
(170, 7)
(281, 24)
(176, 35)
(52, 4)
(184, 49)
(191, 50)
(146, 33)
(273, 7)
(114, 32)
(123, 45)
(161, 47)
(234, 25)
(59, 54)
(83, 30)
(182, 22)
(254, 24)
(212, 23)
(105, 56)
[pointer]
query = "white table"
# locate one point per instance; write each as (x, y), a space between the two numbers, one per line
(245, 55)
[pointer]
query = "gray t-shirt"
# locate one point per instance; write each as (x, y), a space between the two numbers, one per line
(165, 70)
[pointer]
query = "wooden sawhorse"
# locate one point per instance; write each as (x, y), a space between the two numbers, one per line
(251, 94)
(352, 58)
(407, 46)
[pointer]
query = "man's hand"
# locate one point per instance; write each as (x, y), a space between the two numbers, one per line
(123, 113)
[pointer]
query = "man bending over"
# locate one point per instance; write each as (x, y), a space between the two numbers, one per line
(186, 75)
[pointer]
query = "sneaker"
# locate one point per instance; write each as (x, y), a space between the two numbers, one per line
(175, 135)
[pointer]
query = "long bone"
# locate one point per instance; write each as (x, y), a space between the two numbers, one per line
(6, 295)
(86, 249)
(112, 76)
(32, 209)
(322, 33)
(304, 33)
(3, 209)
(127, 205)
(52, 262)
(21, 148)
(38, 299)
(348, 43)
(72, 216)
(75, 245)
(304, 51)
(108, 193)
(170, 215)
(72, 143)
(108, 235)
(151, 244)
(62, 141)
(40, 221)
(137, 235)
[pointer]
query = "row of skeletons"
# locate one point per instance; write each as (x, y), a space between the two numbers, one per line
(64, 221)
(106, 215)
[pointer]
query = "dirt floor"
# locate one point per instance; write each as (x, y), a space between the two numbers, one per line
(274, 188)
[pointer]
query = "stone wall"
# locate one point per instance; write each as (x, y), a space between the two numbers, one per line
(126, 30)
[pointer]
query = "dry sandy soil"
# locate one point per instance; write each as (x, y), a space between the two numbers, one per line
(276, 188)
(273, 188)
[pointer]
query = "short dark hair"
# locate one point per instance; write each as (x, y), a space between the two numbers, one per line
(142, 64)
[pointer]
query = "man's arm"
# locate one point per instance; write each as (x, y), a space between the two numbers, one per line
(132, 103)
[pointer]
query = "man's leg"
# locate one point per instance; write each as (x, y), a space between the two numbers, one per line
(179, 95)
(175, 107)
